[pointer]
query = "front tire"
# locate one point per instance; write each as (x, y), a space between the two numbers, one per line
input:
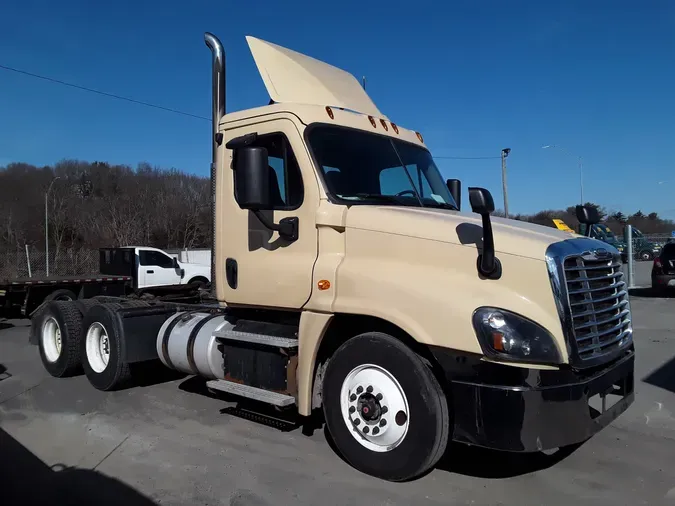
(384, 408)
(646, 256)
(101, 349)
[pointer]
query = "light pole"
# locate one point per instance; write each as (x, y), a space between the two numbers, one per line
(505, 154)
(581, 168)
(47, 224)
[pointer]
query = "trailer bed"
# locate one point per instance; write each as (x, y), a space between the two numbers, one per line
(47, 280)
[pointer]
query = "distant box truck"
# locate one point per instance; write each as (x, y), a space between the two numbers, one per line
(347, 283)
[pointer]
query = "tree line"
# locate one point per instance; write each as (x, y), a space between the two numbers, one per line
(91, 205)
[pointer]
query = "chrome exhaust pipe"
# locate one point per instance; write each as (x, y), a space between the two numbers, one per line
(218, 111)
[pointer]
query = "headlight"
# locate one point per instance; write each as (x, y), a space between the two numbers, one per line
(508, 336)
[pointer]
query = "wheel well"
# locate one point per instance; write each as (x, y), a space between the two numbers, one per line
(346, 326)
(198, 278)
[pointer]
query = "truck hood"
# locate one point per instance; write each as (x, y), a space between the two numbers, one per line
(511, 236)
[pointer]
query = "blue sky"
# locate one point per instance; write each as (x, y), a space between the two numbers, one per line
(595, 78)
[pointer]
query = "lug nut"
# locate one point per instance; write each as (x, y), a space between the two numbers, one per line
(352, 409)
(376, 430)
(369, 389)
(384, 409)
(378, 397)
(357, 421)
(383, 422)
(366, 430)
(352, 397)
(359, 390)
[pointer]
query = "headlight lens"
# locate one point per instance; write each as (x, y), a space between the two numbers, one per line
(509, 336)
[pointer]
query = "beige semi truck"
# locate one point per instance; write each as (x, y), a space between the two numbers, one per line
(347, 282)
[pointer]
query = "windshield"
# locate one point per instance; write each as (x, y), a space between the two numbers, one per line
(365, 167)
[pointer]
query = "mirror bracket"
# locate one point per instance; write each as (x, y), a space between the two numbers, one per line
(287, 227)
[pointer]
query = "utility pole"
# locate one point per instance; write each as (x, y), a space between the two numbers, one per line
(581, 181)
(505, 154)
(47, 225)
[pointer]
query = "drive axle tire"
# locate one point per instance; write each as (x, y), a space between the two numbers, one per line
(384, 408)
(61, 295)
(59, 330)
(101, 348)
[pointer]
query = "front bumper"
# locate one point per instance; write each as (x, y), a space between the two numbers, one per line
(529, 410)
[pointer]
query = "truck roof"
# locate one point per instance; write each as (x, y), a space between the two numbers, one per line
(315, 92)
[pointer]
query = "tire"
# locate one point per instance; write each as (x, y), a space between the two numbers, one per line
(61, 294)
(198, 282)
(646, 255)
(59, 330)
(420, 436)
(101, 348)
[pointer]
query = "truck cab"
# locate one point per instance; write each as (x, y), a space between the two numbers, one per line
(152, 267)
(603, 233)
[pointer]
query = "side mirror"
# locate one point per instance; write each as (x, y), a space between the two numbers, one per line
(252, 178)
(587, 216)
(481, 201)
(488, 264)
(455, 188)
(252, 185)
(175, 263)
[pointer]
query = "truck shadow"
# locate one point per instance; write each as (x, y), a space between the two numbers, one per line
(25, 479)
(663, 377)
(459, 458)
(3, 373)
(650, 293)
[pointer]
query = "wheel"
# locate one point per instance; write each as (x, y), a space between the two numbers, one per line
(198, 282)
(646, 255)
(384, 409)
(61, 294)
(101, 348)
(60, 327)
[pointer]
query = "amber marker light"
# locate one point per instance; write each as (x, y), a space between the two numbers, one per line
(324, 284)
(384, 125)
(372, 121)
(330, 112)
(419, 136)
(393, 125)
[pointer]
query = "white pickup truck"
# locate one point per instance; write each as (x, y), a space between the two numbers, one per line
(155, 267)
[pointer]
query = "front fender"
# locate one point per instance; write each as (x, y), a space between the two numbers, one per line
(430, 289)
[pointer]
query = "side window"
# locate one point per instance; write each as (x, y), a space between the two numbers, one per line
(155, 258)
(285, 178)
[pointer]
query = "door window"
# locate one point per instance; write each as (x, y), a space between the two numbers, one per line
(284, 172)
(155, 258)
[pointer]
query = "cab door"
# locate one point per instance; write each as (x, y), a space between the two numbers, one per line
(262, 268)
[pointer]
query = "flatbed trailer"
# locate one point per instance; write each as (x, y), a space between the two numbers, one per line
(23, 295)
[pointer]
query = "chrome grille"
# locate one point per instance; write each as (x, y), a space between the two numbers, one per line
(599, 310)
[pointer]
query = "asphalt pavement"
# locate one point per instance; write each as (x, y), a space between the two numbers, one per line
(63, 442)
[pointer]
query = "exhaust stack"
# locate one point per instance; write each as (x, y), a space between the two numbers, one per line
(218, 111)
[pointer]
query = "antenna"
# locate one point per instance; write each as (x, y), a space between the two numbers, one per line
(363, 82)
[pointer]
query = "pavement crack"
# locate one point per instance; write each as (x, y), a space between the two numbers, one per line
(111, 452)
(21, 393)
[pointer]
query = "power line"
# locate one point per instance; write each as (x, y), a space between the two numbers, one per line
(110, 95)
(467, 157)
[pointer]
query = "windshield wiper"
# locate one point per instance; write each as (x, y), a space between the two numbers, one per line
(375, 196)
(443, 205)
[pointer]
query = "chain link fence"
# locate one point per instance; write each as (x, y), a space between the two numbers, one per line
(31, 263)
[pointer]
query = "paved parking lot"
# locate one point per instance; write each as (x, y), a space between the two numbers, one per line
(171, 443)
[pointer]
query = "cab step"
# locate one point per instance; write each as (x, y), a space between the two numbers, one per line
(257, 394)
(262, 333)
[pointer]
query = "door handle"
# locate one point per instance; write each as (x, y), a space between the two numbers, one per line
(151, 272)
